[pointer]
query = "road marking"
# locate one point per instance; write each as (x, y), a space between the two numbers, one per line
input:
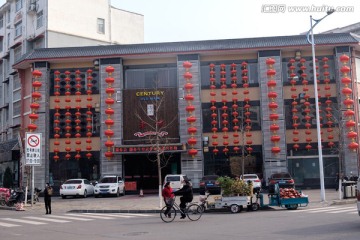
(8, 225)
(313, 209)
(24, 221)
(89, 215)
(137, 214)
(69, 217)
(348, 209)
(48, 219)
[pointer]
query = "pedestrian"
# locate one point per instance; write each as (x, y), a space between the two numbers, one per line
(48, 191)
(168, 196)
(187, 196)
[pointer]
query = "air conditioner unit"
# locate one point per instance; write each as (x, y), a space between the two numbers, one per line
(32, 8)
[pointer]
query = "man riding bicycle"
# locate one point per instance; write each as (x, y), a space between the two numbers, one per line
(187, 196)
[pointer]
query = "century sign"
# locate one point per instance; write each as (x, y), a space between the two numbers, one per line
(33, 149)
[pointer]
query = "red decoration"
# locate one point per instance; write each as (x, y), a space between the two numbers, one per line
(35, 97)
(109, 101)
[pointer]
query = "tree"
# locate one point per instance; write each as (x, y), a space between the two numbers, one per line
(153, 117)
(8, 178)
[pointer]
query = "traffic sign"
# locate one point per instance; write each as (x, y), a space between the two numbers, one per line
(33, 149)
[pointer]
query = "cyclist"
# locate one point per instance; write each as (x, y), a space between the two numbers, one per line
(187, 196)
(168, 198)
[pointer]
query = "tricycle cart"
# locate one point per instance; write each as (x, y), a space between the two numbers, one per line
(290, 203)
(234, 203)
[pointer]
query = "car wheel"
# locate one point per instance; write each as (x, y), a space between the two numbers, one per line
(85, 194)
(123, 193)
(63, 197)
(255, 207)
(118, 192)
(96, 196)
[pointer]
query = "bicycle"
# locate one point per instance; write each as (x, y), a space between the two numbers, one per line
(193, 211)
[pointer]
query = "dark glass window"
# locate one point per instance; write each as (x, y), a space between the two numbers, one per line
(149, 78)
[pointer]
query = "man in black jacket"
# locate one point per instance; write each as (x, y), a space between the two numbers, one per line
(187, 196)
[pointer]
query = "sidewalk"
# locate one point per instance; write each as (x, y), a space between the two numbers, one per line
(150, 203)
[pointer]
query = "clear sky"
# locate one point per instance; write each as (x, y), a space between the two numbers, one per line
(188, 20)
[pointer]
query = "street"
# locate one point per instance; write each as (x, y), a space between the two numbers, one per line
(334, 222)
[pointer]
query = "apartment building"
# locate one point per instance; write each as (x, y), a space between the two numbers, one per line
(26, 25)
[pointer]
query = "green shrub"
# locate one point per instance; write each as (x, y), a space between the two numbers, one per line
(230, 187)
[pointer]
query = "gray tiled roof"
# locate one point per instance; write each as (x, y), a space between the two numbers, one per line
(191, 46)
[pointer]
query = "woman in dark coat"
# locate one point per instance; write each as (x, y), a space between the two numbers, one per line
(187, 196)
(47, 198)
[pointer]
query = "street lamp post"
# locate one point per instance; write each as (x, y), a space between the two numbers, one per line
(318, 131)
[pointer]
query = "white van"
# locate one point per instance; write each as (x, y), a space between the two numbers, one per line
(358, 195)
(176, 180)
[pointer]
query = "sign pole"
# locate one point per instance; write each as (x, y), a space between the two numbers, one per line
(32, 185)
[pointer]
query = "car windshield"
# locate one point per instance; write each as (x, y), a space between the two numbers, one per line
(108, 180)
(72, 181)
(250, 177)
(210, 177)
(280, 175)
(173, 178)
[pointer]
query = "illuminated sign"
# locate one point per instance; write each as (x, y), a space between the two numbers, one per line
(147, 149)
(150, 133)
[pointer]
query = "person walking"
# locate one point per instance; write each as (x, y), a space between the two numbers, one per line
(187, 196)
(168, 196)
(48, 191)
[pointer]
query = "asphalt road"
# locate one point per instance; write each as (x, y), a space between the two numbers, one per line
(334, 222)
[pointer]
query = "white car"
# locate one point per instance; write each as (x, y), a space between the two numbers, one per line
(176, 181)
(256, 182)
(76, 187)
(110, 185)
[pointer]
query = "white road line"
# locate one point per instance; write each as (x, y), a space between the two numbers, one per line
(69, 217)
(137, 214)
(24, 221)
(344, 210)
(110, 215)
(8, 225)
(313, 209)
(88, 215)
(48, 219)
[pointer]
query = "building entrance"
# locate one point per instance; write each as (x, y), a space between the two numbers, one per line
(141, 170)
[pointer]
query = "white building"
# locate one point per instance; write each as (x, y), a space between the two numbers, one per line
(26, 25)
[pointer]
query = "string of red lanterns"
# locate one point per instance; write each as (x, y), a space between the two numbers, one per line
(224, 108)
(235, 107)
(294, 103)
(109, 122)
(56, 115)
(213, 108)
(349, 103)
(319, 101)
(328, 102)
(246, 110)
(67, 115)
(191, 119)
(272, 95)
(108, 132)
(78, 114)
(36, 95)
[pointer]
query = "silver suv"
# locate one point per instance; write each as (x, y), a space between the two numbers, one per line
(110, 185)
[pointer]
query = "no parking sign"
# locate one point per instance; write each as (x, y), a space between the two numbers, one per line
(33, 149)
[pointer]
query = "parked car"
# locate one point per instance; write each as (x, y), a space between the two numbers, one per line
(283, 179)
(256, 182)
(110, 185)
(209, 183)
(76, 187)
(176, 180)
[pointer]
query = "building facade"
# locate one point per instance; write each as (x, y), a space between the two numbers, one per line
(222, 107)
(26, 25)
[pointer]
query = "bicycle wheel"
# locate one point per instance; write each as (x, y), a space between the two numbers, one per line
(168, 217)
(194, 212)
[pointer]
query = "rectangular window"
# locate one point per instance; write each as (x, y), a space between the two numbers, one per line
(101, 25)
(1, 21)
(17, 53)
(18, 29)
(150, 78)
(1, 44)
(8, 18)
(18, 5)
(16, 84)
(8, 40)
(39, 20)
(16, 108)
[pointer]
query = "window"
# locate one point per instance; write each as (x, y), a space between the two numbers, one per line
(18, 5)
(101, 25)
(18, 29)
(39, 21)
(17, 53)
(1, 44)
(1, 21)
(150, 78)
(16, 83)
(8, 40)
(16, 108)
(8, 16)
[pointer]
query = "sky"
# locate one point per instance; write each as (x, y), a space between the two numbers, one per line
(192, 20)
